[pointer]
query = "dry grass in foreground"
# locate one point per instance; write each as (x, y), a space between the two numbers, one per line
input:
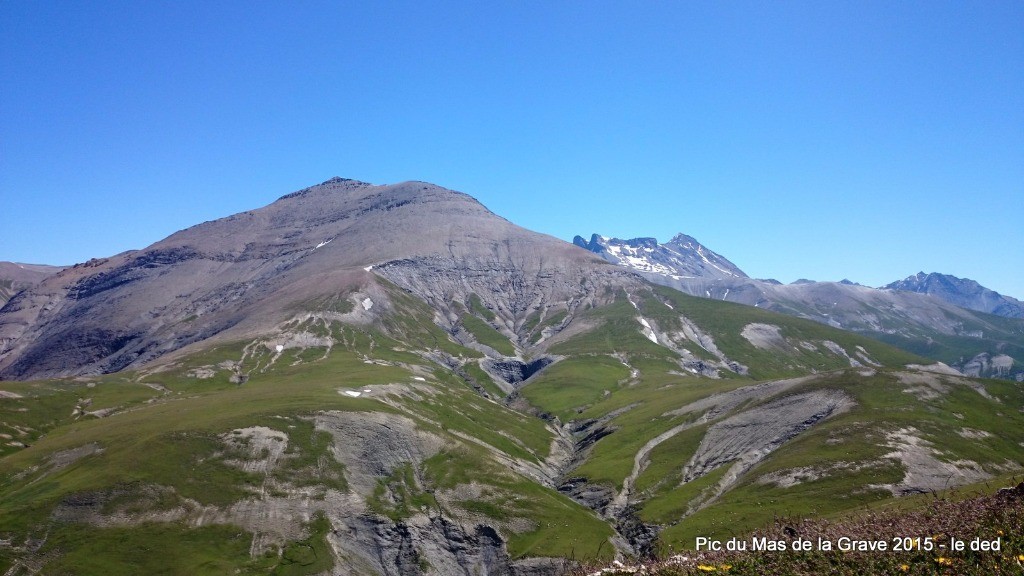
(929, 532)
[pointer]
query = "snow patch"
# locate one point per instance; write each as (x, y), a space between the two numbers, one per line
(700, 252)
(367, 303)
(637, 258)
(648, 331)
(352, 393)
(324, 243)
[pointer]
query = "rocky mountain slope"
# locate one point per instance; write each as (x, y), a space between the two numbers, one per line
(679, 258)
(366, 379)
(976, 343)
(963, 292)
(242, 274)
(15, 277)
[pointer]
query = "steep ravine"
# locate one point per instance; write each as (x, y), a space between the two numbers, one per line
(777, 422)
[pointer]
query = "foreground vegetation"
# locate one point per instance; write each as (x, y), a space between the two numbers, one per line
(110, 474)
(924, 532)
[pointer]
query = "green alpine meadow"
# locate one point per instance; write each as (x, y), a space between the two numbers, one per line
(394, 380)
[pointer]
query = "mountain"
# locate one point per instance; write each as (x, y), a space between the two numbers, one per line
(681, 257)
(242, 274)
(393, 380)
(978, 344)
(963, 292)
(15, 277)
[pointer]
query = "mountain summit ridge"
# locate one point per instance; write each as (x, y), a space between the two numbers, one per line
(242, 272)
(962, 292)
(681, 257)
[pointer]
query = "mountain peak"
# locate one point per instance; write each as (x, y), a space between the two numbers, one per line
(681, 238)
(338, 180)
(681, 257)
(962, 292)
(253, 269)
(331, 183)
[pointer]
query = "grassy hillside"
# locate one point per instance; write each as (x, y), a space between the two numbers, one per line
(163, 448)
(328, 443)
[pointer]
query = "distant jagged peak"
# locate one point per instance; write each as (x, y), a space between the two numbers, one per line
(685, 240)
(926, 283)
(649, 243)
(681, 257)
(962, 292)
(598, 242)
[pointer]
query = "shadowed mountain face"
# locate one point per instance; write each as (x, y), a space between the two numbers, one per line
(241, 274)
(15, 277)
(963, 292)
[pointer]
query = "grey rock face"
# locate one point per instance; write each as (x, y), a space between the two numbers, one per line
(681, 257)
(515, 372)
(236, 276)
(962, 292)
(15, 277)
(422, 544)
(372, 445)
(512, 278)
(750, 435)
(986, 365)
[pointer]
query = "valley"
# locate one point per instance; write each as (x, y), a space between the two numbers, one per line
(364, 379)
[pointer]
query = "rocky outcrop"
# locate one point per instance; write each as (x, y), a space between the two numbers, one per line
(515, 372)
(744, 439)
(985, 365)
(681, 257)
(425, 545)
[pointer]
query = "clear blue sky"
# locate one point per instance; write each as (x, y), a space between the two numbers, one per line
(799, 139)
